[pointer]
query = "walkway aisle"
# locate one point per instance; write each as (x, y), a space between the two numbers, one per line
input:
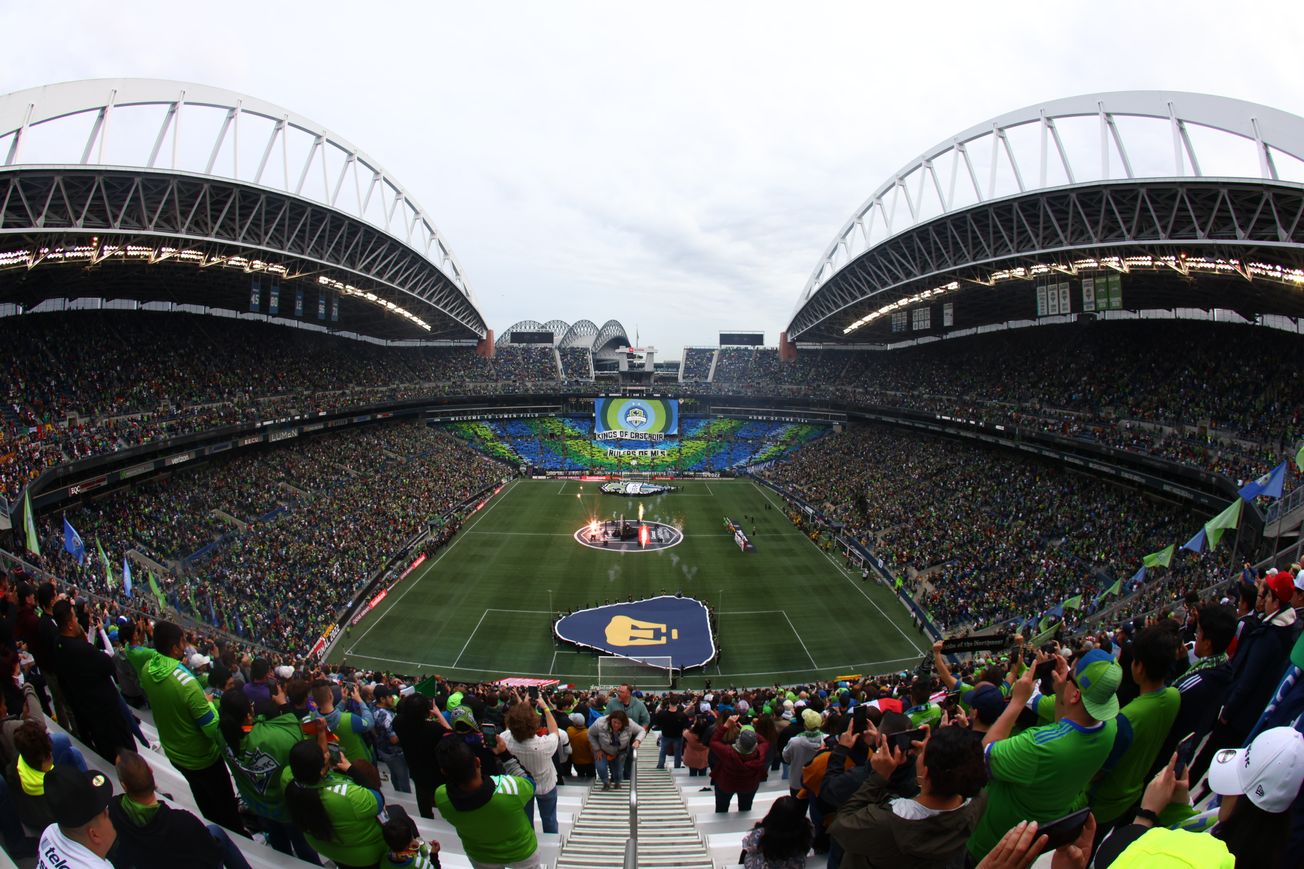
(667, 836)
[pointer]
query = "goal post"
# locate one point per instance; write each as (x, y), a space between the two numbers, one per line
(650, 671)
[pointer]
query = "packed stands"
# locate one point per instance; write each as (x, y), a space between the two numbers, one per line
(273, 545)
(576, 363)
(697, 364)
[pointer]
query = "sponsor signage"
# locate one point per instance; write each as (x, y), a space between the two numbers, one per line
(87, 485)
(178, 459)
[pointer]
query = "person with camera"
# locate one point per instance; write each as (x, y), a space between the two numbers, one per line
(876, 828)
(739, 766)
(534, 752)
(334, 804)
(1043, 773)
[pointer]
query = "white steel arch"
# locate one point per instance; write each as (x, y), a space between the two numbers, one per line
(185, 127)
(1122, 135)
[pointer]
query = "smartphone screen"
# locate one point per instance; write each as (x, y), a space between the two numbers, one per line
(1062, 831)
(1185, 753)
(903, 739)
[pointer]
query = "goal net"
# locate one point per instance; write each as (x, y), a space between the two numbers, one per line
(649, 672)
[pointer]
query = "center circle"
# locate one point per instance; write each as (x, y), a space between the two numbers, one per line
(629, 535)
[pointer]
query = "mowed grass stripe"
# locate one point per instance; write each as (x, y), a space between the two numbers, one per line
(780, 607)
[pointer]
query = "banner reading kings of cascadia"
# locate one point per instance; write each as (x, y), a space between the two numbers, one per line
(644, 419)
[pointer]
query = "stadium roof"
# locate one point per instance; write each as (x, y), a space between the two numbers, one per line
(102, 182)
(581, 333)
(1194, 200)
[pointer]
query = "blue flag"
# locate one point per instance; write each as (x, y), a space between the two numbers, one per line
(1269, 485)
(72, 542)
(1140, 575)
(1196, 543)
(126, 575)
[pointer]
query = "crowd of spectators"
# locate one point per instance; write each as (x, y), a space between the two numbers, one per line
(697, 364)
(1101, 735)
(81, 384)
(980, 536)
(286, 536)
(576, 364)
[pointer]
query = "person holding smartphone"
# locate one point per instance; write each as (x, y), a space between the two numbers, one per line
(534, 751)
(876, 828)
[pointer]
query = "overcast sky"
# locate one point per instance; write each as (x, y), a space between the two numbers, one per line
(676, 166)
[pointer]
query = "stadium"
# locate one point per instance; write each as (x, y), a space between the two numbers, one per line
(1043, 383)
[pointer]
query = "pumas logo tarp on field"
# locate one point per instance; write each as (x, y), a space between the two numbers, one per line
(658, 627)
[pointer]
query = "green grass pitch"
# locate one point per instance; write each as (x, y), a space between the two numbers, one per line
(483, 606)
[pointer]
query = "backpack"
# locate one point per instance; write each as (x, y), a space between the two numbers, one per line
(812, 774)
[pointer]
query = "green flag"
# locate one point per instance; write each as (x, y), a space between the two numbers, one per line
(1299, 457)
(1115, 588)
(1162, 558)
(194, 607)
(29, 524)
(158, 592)
(1073, 603)
(1044, 636)
(1229, 518)
(108, 567)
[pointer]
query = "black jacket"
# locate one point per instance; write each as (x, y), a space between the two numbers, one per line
(1261, 658)
(171, 838)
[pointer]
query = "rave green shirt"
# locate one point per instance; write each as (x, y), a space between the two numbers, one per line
(1040, 775)
(356, 839)
(497, 832)
(1151, 716)
(186, 721)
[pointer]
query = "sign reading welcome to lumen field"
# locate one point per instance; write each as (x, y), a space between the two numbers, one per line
(672, 627)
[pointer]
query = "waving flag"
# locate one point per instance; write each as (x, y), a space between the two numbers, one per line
(104, 562)
(1162, 558)
(1196, 543)
(1072, 603)
(29, 524)
(73, 543)
(1140, 575)
(158, 592)
(1229, 518)
(1269, 485)
(126, 575)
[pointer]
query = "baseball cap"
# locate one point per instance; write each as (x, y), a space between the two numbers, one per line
(463, 716)
(455, 700)
(1282, 586)
(1268, 771)
(986, 701)
(197, 660)
(284, 672)
(1098, 678)
(811, 719)
(577, 719)
(76, 797)
(746, 741)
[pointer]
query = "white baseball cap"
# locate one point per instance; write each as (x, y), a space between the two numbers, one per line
(197, 660)
(1268, 772)
(284, 672)
(1299, 580)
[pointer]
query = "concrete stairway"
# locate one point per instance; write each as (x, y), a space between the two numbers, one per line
(667, 836)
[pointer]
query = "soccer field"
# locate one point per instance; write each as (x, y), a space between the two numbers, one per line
(483, 607)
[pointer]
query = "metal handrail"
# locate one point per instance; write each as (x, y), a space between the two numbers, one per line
(631, 844)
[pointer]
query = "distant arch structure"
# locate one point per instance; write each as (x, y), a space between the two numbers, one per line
(1098, 177)
(583, 333)
(173, 167)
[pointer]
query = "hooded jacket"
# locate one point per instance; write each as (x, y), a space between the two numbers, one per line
(186, 721)
(162, 836)
(874, 837)
(800, 749)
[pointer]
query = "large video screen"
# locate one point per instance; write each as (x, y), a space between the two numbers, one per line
(648, 419)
